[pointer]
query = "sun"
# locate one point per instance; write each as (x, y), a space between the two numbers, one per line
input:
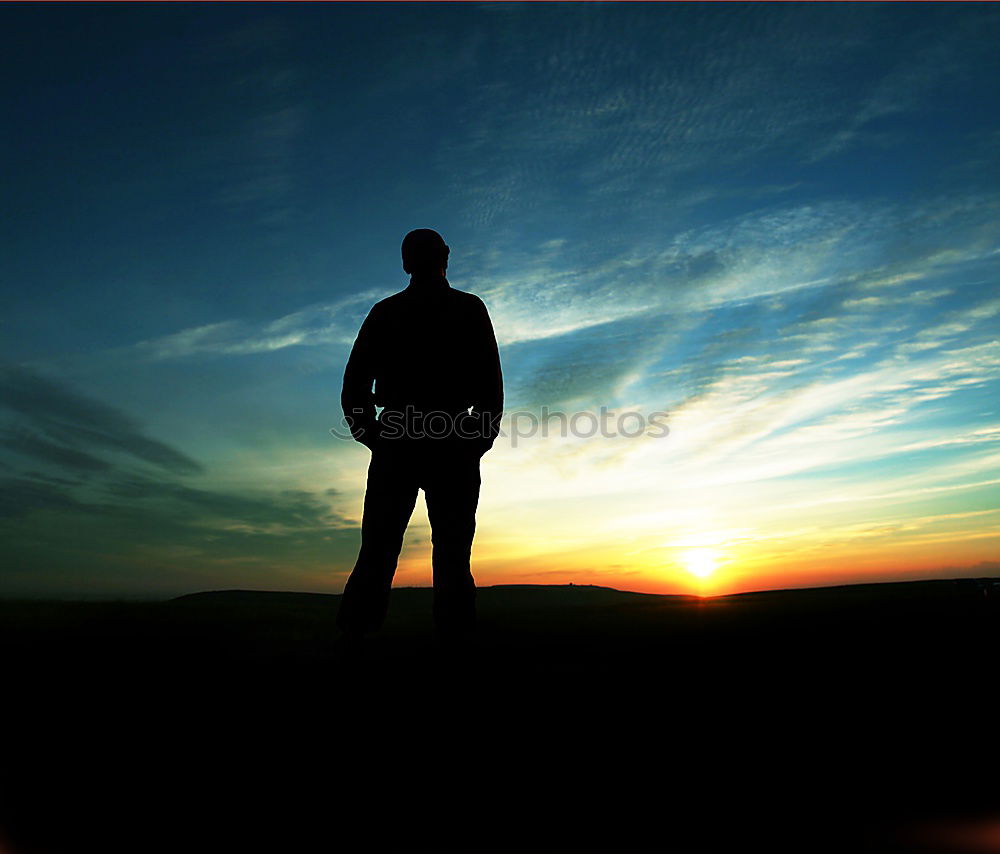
(701, 563)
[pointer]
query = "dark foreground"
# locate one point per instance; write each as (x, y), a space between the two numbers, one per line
(581, 720)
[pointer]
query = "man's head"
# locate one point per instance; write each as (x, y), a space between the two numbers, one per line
(424, 252)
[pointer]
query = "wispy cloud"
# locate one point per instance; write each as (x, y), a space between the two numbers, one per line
(258, 153)
(329, 324)
(95, 502)
(51, 422)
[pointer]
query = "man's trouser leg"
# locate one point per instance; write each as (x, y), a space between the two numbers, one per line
(452, 492)
(390, 496)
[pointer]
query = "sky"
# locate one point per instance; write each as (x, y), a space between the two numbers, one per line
(777, 226)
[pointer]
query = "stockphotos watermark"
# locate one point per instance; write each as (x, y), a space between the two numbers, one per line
(515, 426)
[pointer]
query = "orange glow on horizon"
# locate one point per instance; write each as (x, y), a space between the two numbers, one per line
(716, 560)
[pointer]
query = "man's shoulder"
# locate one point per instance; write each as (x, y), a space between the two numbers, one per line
(390, 306)
(467, 297)
(388, 302)
(467, 300)
(382, 304)
(402, 300)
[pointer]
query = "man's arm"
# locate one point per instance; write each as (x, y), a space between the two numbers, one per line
(357, 398)
(488, 402)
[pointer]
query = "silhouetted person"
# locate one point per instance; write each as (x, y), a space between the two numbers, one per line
(427, 356)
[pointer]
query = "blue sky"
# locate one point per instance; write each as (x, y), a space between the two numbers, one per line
(780, 224)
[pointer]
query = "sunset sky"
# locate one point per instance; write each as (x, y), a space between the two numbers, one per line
(778, 224)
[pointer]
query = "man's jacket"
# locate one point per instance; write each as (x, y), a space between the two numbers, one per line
(427, 355)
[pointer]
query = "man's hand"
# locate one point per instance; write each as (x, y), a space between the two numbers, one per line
(364, 428)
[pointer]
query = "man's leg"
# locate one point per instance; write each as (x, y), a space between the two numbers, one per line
(390, 496)
(452, 491)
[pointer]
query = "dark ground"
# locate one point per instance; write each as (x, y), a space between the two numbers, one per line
(583, 719)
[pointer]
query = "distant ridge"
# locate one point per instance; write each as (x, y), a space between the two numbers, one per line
(238, 594)
(542, 593)
(589, 593)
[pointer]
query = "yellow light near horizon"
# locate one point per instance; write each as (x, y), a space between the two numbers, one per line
(701, 563)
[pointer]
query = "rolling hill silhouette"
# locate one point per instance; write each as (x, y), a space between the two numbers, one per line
(582, 719)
